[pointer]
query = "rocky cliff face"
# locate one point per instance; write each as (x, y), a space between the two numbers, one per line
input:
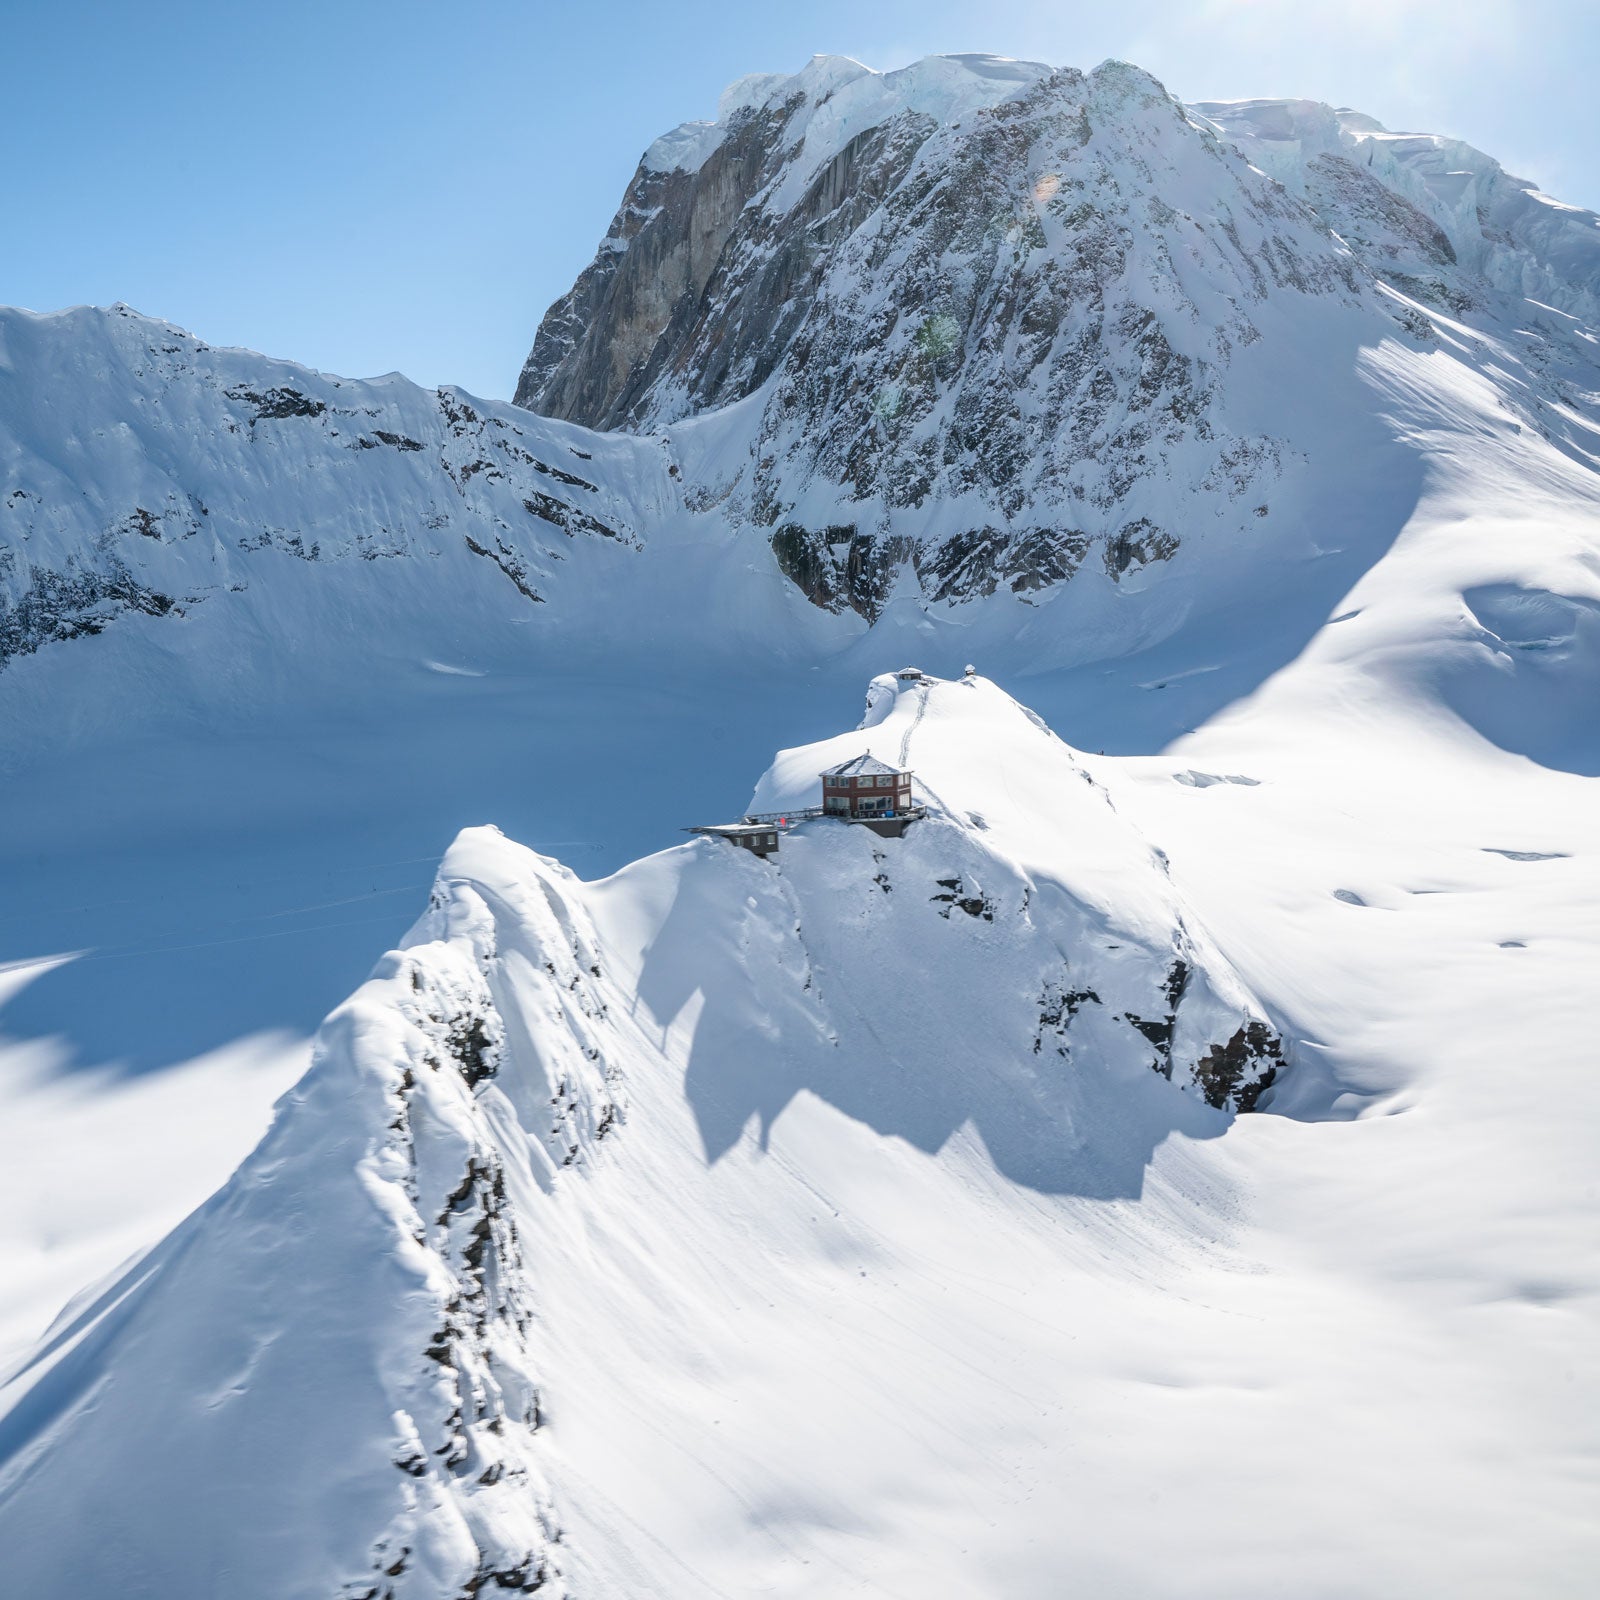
(990, 337)
(685, 238)
(1020, 314)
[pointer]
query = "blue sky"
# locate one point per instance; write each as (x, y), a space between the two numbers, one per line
(406, 186)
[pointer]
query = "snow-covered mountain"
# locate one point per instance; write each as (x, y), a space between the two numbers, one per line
(960, 341)
(833, 1224)
(993, 322)
(148, 473)
(883, 1218)
(1414, 204)
(354, 1336)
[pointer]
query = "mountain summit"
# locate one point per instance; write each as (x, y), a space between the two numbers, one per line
(992, 323)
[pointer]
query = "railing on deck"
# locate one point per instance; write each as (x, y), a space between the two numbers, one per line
(805, 813)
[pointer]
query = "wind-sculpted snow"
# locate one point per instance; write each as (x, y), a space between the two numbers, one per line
(350, 1348)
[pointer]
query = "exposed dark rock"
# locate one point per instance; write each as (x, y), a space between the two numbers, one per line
(1239, 1072)
(571, 479)
(1136, 545)
(959, 897)
(270, 405)
(570, 519)
(1159, 1030)
(474, 1049)
(1058, 1005)
(283, 539)
(510, 563)
(70, 603)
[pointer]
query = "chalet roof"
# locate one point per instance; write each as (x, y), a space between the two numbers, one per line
(862, 767)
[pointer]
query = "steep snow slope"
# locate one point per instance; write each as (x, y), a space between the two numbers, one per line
(1054, 994)
(682, 1234)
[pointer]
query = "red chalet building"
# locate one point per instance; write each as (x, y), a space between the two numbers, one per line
(863, 790)
(866, 789)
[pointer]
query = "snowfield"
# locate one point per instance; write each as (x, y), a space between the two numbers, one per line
(1165, 1173)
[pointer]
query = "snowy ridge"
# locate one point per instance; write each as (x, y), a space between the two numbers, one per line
(340, 1340)
(351, 1337)
(834, 98)
(144, 472)
(1500, 229)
